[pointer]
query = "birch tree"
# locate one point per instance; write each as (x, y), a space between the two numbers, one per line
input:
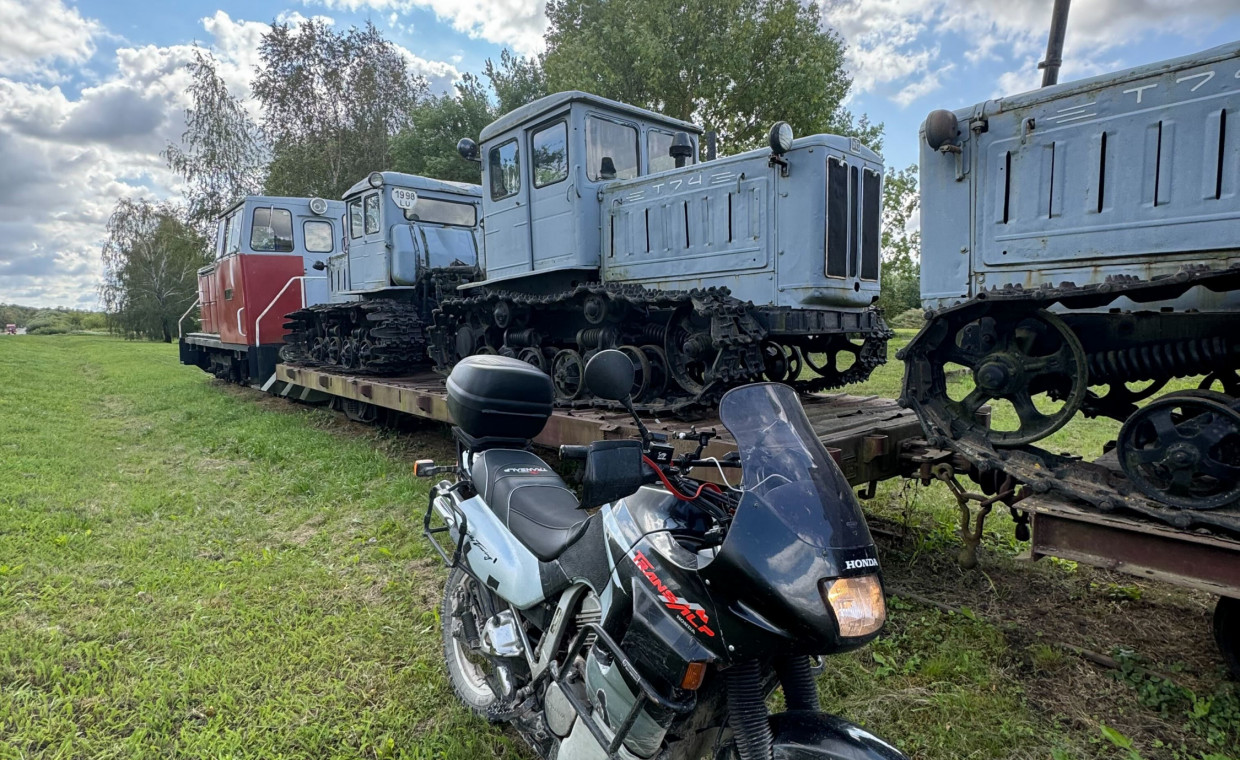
(150, 261)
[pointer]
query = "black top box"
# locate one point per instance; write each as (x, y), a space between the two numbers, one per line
(497, 397)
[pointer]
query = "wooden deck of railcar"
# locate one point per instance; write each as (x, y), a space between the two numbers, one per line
(864, 433)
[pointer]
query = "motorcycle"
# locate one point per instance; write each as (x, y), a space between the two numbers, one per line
(652, 617)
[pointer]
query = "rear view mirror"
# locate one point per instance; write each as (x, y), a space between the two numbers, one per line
(609, 375)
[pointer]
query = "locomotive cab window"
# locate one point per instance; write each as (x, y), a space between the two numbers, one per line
(372, 213)
(658, 147)
(355, 218)
(271, 230)
(550, 146)
(318, 235)
(504, 170)
(611, 149)
(230, 236)
(432, 211)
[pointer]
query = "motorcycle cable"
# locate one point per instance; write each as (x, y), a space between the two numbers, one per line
(672, 489)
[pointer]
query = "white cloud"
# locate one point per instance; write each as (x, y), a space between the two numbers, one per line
(65, 158)
(33, 35)
(889, 53)
(519, 24)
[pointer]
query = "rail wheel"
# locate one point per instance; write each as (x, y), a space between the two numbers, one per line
(1184, 450)
(1014, 360)
(568, 374)
(1227, 632)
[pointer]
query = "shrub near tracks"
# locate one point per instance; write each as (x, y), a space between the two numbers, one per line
(186, 573)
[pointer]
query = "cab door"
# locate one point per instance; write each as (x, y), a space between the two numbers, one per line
(552, 196)
(507, 226)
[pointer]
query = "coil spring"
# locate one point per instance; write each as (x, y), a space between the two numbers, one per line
(522, 338)
(654, 333)
(747, 711)
(1161, 360)
(593, 337)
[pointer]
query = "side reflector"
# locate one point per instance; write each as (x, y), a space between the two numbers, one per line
(694, 674)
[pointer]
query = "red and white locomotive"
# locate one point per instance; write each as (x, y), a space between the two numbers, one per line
(265, 251)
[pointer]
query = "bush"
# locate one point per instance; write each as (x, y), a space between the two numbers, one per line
(45, 329)
(909, 318)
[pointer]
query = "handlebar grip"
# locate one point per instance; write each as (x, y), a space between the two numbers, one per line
(574, 452)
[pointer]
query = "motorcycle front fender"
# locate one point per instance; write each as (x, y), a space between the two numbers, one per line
(808, 735)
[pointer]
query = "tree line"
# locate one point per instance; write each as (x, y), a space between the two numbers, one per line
(55, 321)
(334, 105)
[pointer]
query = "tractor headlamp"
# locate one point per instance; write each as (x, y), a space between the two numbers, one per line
(857, 603)
(375, 179)
(780, 138)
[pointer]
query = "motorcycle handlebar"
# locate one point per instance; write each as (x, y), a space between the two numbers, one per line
(569, 451)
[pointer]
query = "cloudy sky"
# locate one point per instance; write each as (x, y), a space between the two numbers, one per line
(91, 91)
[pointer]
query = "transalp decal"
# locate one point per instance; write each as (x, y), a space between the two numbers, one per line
(690, 612)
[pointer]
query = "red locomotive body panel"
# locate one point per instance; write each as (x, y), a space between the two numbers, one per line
(242, 287)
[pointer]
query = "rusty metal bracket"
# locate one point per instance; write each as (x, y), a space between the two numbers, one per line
(971, 528)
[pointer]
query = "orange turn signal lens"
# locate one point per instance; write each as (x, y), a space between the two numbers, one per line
(694, 673)
(422, 467)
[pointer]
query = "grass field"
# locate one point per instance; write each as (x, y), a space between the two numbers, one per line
(193, 570)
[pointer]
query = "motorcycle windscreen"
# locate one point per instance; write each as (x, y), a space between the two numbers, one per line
(787, 474)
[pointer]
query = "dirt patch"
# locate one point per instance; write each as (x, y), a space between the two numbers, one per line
(1046, 609)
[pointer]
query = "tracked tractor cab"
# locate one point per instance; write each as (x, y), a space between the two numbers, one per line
(401, 228)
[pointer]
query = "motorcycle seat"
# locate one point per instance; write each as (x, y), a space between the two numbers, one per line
(530, 499)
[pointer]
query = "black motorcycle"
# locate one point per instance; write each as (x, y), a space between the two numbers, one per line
(657, 625)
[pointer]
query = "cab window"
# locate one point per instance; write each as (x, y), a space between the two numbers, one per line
(318, 235)
(550, 146)
(658, 144)
(271, 230)
(611, 149)
(372, 213)
(504, 169)
(232, 233)
(355, 218)
(434, 211)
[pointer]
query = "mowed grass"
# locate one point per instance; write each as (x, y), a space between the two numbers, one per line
(187, 573)
(192, 570)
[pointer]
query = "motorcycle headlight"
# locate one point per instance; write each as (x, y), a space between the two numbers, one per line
(857, 602)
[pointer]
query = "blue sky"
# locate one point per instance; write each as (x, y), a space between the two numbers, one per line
(91, 91)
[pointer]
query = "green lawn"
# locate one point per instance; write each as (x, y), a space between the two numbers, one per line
(192, 570)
